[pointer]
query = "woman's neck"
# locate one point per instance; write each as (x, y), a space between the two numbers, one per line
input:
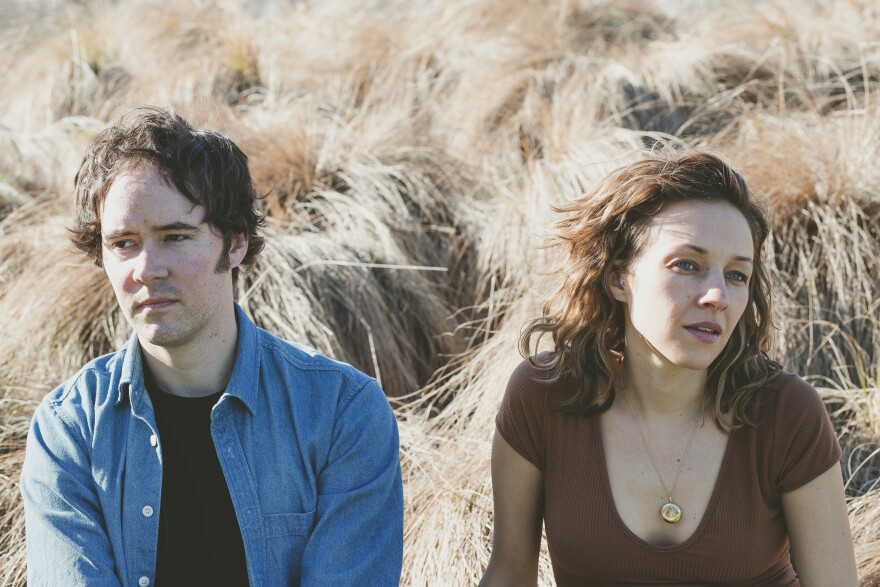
(664, 391)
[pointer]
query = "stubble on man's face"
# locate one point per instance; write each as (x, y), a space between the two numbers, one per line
(168, 268)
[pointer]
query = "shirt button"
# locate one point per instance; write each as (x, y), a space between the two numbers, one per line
(144, 581)
(153, 440)
(147, 511)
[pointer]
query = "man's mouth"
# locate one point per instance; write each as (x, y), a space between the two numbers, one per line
(155, 303)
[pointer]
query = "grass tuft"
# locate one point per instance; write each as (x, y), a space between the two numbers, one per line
(410, 155)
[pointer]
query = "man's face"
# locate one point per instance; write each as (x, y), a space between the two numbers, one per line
(162, 259)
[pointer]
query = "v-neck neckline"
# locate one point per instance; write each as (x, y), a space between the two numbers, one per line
(713, 499)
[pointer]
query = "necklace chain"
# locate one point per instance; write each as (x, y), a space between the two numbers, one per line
(651, 454)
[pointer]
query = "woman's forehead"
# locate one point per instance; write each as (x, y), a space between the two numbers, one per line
(704, 226)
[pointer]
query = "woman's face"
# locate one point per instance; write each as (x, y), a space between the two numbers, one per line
(688, 287)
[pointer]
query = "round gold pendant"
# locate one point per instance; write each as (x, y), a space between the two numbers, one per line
(670, 512)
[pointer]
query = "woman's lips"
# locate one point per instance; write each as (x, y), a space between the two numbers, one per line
(703, 335)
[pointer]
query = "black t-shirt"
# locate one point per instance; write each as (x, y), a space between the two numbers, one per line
(199, 538)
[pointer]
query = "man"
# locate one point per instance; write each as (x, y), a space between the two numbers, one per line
(206, 451)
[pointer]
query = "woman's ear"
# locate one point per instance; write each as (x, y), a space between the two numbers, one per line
(618, 285)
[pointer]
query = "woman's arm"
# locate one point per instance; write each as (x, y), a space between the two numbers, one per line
(518, 496)
(818, 528)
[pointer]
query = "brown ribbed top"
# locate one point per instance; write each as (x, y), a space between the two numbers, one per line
(742, 538)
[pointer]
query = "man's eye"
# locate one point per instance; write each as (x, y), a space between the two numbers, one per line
(121, 245)
(176, 238)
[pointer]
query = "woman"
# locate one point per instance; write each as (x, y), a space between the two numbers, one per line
(658, 442)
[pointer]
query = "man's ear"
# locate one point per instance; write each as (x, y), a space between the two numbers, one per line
(237, 249)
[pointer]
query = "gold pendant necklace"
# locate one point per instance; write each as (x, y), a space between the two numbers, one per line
(669, 511)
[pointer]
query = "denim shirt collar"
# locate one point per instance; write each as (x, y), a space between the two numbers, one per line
(244, 375)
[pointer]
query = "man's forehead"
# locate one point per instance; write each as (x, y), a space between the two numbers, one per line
(143, 196)
(164, 223)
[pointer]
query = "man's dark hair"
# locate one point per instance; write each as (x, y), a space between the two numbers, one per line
(204, 166)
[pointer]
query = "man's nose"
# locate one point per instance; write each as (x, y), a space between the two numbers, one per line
(149, 264)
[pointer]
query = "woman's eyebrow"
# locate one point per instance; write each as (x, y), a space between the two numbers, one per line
(703, 251)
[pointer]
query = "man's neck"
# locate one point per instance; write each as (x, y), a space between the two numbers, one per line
(196, 369)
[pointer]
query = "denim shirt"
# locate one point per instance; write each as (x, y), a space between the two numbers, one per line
(308, 446)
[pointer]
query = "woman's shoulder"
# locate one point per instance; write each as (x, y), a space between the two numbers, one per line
(782, 379)
(540, 375)
(538, 367)
(790, 394)
(537, 382)
(800, 439)
(528, 409)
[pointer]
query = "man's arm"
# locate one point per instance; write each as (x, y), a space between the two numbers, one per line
(67, 543)
(358, 534)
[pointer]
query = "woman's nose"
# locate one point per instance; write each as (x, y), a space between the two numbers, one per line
(715, 293)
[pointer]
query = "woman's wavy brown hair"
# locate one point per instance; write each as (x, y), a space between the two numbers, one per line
(603, 231)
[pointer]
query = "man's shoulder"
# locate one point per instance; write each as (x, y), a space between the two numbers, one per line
(76, 404)
(95, 381)
(308, 363)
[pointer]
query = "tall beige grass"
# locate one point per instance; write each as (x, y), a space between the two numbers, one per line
(411, 153)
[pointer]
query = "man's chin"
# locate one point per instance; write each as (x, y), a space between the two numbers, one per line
(158, 336)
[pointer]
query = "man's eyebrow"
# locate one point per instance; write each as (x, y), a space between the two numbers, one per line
(177, 226)
(173, 226)
(109, 236)
(703, 251)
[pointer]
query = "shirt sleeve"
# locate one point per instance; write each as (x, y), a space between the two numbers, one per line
(67, 543)
(358, 534)
(805, 445)
(521, 418)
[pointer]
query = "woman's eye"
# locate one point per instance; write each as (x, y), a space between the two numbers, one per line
(686, 265)
(738, 276)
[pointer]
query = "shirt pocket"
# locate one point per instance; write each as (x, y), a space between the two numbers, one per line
(286, 536)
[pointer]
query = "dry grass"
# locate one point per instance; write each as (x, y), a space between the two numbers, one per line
(410, 154)
(864, 519)
(15, 417)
